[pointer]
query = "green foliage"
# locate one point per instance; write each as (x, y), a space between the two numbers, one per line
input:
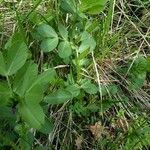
(49, 44)
(32, 114)
(46, 31)
(87, 42)
(137, 81)
(68, 5)
(63, 31)
(5, 93)
(137, 74)
(58, 97)
(6, 113)
(24, 77)
(88, 87)
(48, 36)
(138, 136)
(73, 89)
(64, 49)
(54, 57)
(92, 7)
(15, 56)
(3, 65)
(27, 88)
(82, 109)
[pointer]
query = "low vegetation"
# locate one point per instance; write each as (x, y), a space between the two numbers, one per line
(74, 74)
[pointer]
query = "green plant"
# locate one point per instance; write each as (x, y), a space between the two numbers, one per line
(24, 87)
(70, 69)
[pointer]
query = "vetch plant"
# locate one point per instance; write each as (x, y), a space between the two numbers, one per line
(24, 87)
(68, 69)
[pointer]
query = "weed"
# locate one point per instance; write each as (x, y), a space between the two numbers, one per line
(74, 74)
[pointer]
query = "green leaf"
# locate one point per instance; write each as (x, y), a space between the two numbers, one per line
(68, 5)
(88, 87)
(5, 93)
(16, 57)
(92, 6)
(137, 81)
(44, 78)
(58, 97)
(83, 54)
(31, 86)
(46, 31)
(6, 113)
(139, 66)
(26, 140)
(109, 89)
(47, 127)
(34, 93)
(113, 89)
(32, 114)
(88, 42)
(64, 49)
(107, 104)
(80, 109)
(74, 90)
(63, 31)
(85, 35)
(49, 44)
(49, 37)
(25, 77)
(15, 38)
(93, 107)
(2, 65)
(137, 74)
(92, 26)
